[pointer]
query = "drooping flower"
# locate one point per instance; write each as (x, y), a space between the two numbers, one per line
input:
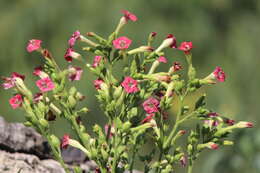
(151, 105)
(98, 83)
(45, 84)
(75, 73)
(16, 101)
(219, 74)
(162, 59)
(65, 141)
(185, 47)
(33, 45)
(71, 54)
(38, 71)
(37, 97)
(129, 16)
(122, 43)
(96, 62)
(75, 36)
(130, 85)
(9, 82)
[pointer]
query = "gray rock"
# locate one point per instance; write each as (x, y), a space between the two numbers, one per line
(15, 137)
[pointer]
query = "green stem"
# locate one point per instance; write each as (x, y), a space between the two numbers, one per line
(190, 168)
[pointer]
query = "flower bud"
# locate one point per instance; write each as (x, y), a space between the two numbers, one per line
(55, 141)
(226, 142)
(126, 126)
(44, 123)
(170, 41)
(244, 124)
(72, 102)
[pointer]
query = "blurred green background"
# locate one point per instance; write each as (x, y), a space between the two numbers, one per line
(224, 33)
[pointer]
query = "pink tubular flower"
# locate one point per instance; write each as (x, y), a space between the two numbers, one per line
(122, 43)
(71, 54)
(219, 74)
(38, 71)
(185, 47)
(75, 36)
(16, 101)
(244, 124)
(176, 66)
(230, 122)
(183, 161)
(65, 141)
(33, 45)
(75, 73)
(151, 105)
(45, 84)
(172, 40)
(153, 34)
(148, 118)
(112, 130)
(130, 85)
(213, 146)
(129, 16)
(97, 60)
(212, 114)
(162, 59)
(37, 97)
(9, 82)
(98, 83)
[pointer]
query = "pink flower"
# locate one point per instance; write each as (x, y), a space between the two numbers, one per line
(33, 45)
(153, 34)
(151, 105)
(98, 83)
(97, 60)
(37, 97)
(183, 161)
(75, 73)
(172, 40)
(129, 16)
(65, 141)
(75, 36)
(45, 84)
(219, 74)
(130, 85)
(71, 54)
(9, 82)
(162, 59)
(176, 66)
(16, 101)
(148, 118)
(185, 47)
(230, 122)
(122, 43)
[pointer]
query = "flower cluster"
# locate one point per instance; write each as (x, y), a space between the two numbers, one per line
(137, 102)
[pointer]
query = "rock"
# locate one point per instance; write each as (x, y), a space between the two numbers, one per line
(15, 137)
(27, 163)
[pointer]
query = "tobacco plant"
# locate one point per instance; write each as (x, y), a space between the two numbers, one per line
(136, 104)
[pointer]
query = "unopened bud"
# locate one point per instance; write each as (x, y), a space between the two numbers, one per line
(244, 124)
